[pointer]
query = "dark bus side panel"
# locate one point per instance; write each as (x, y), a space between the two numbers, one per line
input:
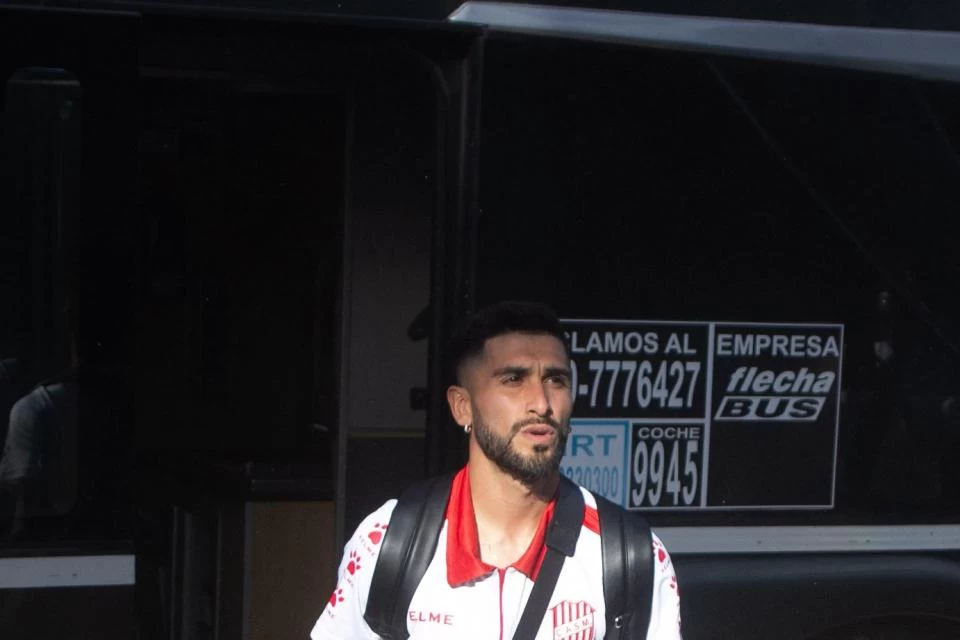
(624, 184)
(638, 185)
(826, 597)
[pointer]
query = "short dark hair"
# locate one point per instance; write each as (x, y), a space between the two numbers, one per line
(499, 319)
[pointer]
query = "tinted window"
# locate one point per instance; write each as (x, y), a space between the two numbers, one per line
(635, 185)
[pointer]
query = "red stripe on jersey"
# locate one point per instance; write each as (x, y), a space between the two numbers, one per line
(591, 519)
(463, 543)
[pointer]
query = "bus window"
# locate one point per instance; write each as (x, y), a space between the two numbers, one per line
(752, 264)
(241, 198)
(41, 350)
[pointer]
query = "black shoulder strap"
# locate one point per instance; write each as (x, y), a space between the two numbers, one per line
(627, 548)
(407, 549)
(561, 541)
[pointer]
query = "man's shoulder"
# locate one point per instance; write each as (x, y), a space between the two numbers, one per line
(374, 525)
(593, 518)
(33, 403)
(592, 502)
(589, 500)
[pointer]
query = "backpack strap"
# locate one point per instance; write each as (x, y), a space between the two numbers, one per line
(405, 553)
(561, 542)
(627, 549)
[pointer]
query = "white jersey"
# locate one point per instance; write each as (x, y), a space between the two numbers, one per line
(462, 597)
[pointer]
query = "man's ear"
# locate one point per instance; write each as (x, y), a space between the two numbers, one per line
(459, 400)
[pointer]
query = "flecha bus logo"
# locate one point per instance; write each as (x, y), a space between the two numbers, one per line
(792, 395)
(573, 620)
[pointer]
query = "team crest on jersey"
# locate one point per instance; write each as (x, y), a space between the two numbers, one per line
(572, 620)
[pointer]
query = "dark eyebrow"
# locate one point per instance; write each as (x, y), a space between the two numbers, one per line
(557, 371)
(522, 372)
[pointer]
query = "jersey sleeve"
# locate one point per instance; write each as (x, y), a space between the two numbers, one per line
(342, 616)
(665, 608)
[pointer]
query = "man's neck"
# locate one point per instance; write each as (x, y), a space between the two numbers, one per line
(507, 511)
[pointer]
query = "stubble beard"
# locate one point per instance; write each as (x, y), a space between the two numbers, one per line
(528, 469)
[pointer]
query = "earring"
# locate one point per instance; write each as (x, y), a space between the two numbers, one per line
(467, 428)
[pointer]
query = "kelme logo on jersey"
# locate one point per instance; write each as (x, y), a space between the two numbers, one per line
(572, 620)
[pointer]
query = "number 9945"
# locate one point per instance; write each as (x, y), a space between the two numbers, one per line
(666, 473)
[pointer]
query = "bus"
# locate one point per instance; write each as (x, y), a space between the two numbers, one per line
(236, 239)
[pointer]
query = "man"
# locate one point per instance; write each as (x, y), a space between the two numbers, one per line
(512, 397)
(38, 462)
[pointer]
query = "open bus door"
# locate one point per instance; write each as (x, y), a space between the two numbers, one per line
(322, 165)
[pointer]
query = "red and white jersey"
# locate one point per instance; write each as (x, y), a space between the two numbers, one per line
(461, 596)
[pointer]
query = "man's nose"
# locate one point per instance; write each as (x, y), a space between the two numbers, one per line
(538, 400)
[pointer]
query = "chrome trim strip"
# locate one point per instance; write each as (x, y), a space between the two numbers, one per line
(925, 54)
(67, 571)
(772, 540)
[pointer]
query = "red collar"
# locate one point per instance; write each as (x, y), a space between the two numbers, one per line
(463, 543)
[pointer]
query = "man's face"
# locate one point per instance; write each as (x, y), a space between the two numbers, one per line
(520, 403)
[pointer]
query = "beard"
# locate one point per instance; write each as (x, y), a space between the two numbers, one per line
(528, 469)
